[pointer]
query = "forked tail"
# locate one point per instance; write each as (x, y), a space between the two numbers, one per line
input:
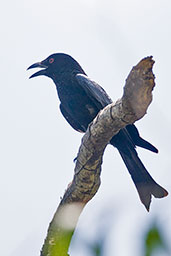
(145, 184)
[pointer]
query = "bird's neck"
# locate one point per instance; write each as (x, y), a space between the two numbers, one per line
(65, 85)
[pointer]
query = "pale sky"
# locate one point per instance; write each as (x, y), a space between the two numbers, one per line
(38, 146)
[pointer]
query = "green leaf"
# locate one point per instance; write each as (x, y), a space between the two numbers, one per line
(154, 240)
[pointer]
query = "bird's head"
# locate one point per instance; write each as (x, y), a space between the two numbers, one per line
(56, 64)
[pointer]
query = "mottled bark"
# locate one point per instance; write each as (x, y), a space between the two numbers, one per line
(131, 107)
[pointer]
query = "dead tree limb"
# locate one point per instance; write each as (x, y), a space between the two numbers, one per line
(131, 107)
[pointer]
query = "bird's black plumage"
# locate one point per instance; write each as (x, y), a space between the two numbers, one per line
(80, 101)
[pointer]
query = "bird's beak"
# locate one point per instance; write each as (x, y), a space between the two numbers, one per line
(38, 65)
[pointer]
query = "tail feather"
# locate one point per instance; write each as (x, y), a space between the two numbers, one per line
(145, 184)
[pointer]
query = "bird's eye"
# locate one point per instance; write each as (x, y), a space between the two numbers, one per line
(51, 60)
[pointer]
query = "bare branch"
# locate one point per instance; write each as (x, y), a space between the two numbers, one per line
(130, 108)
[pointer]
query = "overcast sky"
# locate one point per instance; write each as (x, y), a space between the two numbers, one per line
(37, 146)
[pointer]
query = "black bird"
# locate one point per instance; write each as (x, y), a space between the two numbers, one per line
(80, 101)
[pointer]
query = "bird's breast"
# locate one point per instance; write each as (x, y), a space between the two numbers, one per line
(77, 103)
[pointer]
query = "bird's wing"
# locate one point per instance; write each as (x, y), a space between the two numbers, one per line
(93, 90)
(140, 142)
(101, 99)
